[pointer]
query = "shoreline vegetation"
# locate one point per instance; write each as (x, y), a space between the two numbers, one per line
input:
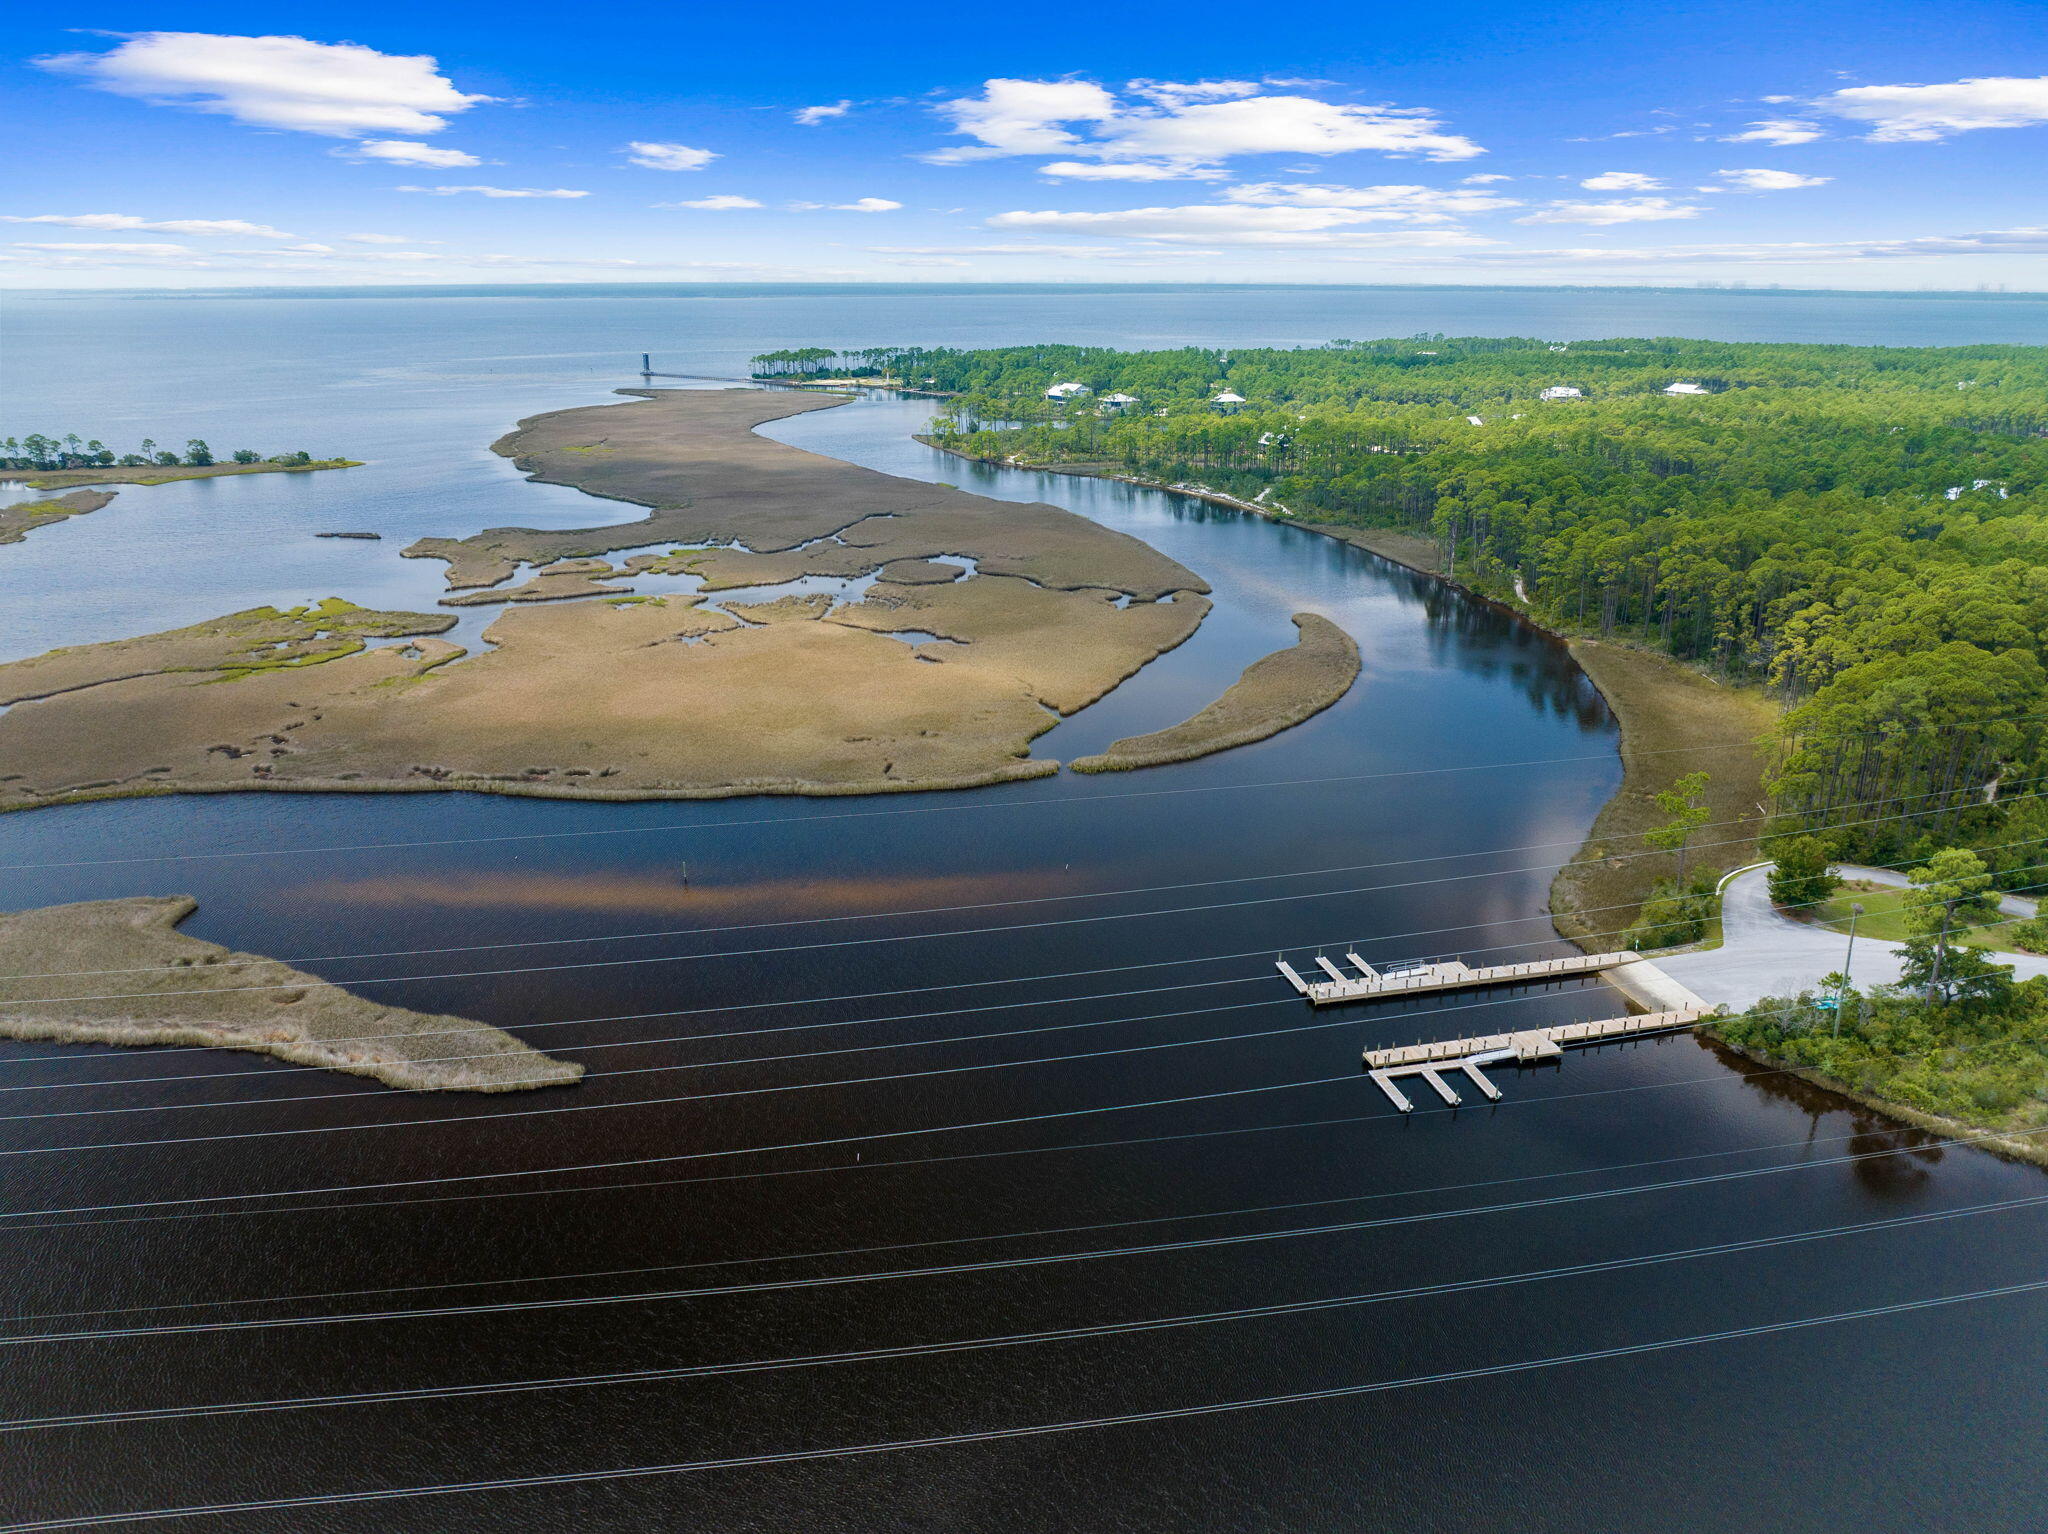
(161, 987)
(1014, 615)
(163, 474)
(1851, 533)
(1275, 693)
(1666, 710)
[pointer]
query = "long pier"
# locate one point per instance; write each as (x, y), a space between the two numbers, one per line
(1364, 983)
(1433, 1062)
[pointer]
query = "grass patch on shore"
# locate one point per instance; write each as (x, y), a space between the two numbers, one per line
(1674, 720)
(1275, 693)
(1884, 918)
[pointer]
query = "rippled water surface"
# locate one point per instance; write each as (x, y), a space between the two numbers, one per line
(1067, 1042)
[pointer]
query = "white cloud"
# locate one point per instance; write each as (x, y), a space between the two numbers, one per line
(1172, 93)
(1625, 210)
(495, 191)
(1284, 125)
(1779, 131)
(1024, 117)
(138, 249)
(1223, 223)
(1622, 181)
(652, 156)
(725, 202)
(342, 90)
(398, 151)
(929, 261)
(1125, 170)
(867, 205)
(377, 239)
(1922, 113)
(1765, 181)
(810, 117)
(1485, 180)
(1181, 126)
(1407, 204)
(237, 226)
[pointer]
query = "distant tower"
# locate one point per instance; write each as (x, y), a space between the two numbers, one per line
(646, 365)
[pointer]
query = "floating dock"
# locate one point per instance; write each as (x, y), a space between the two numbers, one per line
(1434, 1061)
(1369, 984)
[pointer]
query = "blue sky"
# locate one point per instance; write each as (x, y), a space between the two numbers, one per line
(1866, 144)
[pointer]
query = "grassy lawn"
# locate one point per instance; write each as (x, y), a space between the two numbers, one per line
(1884, 917)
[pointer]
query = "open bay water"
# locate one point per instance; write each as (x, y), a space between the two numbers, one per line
(706, 1048)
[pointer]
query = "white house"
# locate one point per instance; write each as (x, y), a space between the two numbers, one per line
(1112, 403)
(1562, 391)
(1228, 401)
(1476, 420)
(1686, 388)
(1060, 393)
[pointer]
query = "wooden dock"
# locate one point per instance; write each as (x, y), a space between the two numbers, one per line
(1369, 984)
(1434, 1061)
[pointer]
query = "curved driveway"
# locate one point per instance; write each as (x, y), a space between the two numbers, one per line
(1765, 954)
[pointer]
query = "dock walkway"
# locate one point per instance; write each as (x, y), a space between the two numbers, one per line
(1433, 1061)
(1370, 984)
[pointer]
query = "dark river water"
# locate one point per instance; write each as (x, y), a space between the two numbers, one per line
(1074, 1043)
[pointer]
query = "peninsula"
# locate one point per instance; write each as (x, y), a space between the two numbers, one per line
(119, 972)
(969, 627)
(24, 517)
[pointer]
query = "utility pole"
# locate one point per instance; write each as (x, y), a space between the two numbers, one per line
(1855, 910)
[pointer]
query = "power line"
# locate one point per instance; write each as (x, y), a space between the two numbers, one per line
(1803, 1143)
(908, 937)
(990, 1435)
(1030, 900)
(798, 820)
(1009, 1340)
(980, 805)
(780, 1028)
(949, 1270)
(1719, 1078)
(849, 1049)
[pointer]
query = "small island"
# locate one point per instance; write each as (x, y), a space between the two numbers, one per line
(119, 972)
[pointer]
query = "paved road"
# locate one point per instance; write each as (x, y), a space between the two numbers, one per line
(1765, 954)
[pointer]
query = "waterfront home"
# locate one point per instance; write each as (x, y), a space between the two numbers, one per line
(1686, 388)
(1228, 402)
(1061, 393)
(1113, 404)
(1562, 391)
